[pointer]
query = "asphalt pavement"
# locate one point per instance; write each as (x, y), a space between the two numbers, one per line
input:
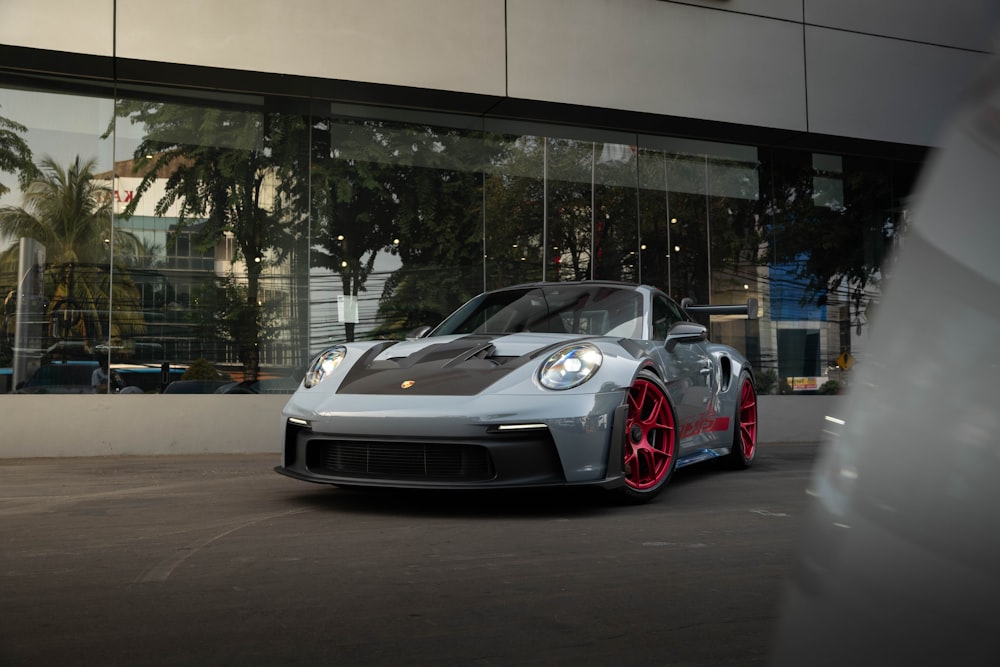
(217, 560)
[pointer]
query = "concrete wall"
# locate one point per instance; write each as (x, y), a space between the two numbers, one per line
(147, 424)
(127, 425)
(889, 70)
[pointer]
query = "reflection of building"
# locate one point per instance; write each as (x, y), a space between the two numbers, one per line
(688, 130)
(179, 269)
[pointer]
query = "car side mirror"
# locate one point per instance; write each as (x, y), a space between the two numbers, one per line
(685, 332)
(418, 332)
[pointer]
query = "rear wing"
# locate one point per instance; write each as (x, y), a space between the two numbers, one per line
(749, 308)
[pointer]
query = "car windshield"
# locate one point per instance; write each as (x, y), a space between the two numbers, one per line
(596, 310)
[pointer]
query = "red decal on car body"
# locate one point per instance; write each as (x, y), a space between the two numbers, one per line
(707, 425)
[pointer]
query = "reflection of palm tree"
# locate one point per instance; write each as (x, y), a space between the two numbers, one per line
(69, 212)
(143, 254)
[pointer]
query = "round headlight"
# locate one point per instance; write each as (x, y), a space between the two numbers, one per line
(324, 364)
(570, 366)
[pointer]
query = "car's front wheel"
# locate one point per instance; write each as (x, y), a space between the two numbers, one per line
(650, 447)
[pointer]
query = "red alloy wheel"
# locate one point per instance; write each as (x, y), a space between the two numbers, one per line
(748, 419)
(650, 438)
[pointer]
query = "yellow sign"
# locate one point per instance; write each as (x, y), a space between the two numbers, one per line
(803, 383)
(845, 361)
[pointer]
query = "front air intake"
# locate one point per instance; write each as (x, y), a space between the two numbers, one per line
(400, 460)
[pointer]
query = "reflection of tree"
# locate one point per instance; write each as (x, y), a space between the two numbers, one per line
(514, 209)
(354, 203)
(673, 223)
(410, 190)
(150, 254)
(222, 312)
(440, 229)
(736, 232)
(833, 227)
(235, 172)
(15, 155)
(581, 192)
(574, 227)
(700, 218)
(69, 212)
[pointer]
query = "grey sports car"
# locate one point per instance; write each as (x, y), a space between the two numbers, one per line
(571, 383)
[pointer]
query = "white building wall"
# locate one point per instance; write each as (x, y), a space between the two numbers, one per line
(453, 45)
(658, 57)
(59, 25)
(961, 24)
(871, 87)
(883, 70)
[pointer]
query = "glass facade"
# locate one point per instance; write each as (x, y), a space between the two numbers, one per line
(231, 237)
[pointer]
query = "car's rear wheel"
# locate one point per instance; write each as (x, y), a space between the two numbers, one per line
(745, 431)
(650, 447)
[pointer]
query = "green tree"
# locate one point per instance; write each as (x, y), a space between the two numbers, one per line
(15, 157)
(836, 228)
(514, 197)
(223, 313)
(229, 172)
(439, 227)
(15, 154)
(68, 211)
(201, 369)
(410, 190)
(355, 204)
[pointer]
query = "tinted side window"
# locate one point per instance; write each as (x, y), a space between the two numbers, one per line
(665, 314)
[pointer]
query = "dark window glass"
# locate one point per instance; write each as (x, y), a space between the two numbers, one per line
(666, 313)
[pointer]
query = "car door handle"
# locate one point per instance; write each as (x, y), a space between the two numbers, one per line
(706, 371)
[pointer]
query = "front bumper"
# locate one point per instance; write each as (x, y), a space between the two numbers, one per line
(402, 449)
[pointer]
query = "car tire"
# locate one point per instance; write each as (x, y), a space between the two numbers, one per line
(744, 448)
(650, 446)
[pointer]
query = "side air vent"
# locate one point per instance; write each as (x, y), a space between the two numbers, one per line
(726, 369)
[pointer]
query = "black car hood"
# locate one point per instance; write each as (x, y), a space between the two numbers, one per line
(445, 366)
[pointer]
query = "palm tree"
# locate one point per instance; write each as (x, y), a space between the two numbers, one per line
(69, 212)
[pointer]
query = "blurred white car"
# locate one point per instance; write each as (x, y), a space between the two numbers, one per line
(900, 563)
